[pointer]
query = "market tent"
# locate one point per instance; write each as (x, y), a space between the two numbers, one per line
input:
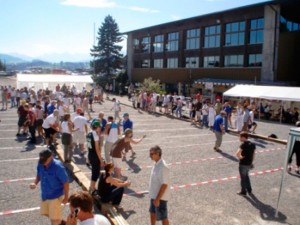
(265, 92)
(50, 81)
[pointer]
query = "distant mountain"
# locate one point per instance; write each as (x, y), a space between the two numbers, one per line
(9, 59)
(65, 57)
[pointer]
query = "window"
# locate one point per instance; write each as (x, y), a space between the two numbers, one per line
(212, 36)
(255, 60)
(158, 43)
(192, 62)
(146, 63)
(173, 40)
(288, 26)
(211, 61)
(235, 34)
(146, 44)
(234, 61)
(136, 43)
(172, 63)
(158, 63)
(256, 31)
(193, 39)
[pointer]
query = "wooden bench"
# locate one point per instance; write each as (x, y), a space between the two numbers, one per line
(107, 209)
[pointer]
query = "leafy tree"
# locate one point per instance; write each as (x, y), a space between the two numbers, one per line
(2, 66)
(106, 52)
(150, 85)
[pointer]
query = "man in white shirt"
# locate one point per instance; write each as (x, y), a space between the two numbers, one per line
(81, 127)
(50, 126)
(81, 208)
(159, 190)
(116, 108)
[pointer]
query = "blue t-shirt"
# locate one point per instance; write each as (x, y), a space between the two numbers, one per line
(103, 124)
(217, 123)
(227, 109)
(52, 179)
(50, 109)
(127, 124)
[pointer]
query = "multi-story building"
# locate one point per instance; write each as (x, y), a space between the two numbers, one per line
(257, 44)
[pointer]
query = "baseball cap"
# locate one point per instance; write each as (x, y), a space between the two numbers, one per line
(44, 155)
(125, 114)
(95, 123)
(78, 110)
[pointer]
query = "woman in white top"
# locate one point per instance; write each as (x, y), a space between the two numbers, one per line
(211, 115)
(66, 138)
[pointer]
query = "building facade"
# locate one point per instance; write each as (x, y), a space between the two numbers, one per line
(258, 43)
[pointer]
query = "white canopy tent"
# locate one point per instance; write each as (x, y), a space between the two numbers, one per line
(50, 81)
(265, 92)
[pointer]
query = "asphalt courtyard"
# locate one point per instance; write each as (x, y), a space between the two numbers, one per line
(203, 183)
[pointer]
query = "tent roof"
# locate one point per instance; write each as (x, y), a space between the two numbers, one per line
(53, 78)
(265, 92)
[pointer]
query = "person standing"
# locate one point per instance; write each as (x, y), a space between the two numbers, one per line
(239, 117)
(81, 208)
(219, 130)
(94, 154)
(54, 186)
(127, 124)
(159, 190)
(81, 127)
(116, 108)
(246, 155)
(112, 132)
(50, 127)
(66, 137)
(119, 146)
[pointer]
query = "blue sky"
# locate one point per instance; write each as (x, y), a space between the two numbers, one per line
(43, 27)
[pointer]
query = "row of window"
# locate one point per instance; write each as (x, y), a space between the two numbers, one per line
(235, 34)
(254, 60)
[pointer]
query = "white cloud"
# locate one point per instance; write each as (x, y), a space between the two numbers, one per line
(144, 10)
(90, 3)
(175, 17)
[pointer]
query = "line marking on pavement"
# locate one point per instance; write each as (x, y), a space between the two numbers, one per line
(136, 167)
(174, 187)
(17, 160)
(10, 212)
(218, 180)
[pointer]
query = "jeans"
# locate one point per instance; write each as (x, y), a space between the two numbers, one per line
(245, 180)
(178, 110)
(205, 120)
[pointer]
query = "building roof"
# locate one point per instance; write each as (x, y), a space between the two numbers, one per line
(201, 16)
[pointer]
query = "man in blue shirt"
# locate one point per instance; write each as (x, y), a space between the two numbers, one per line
(127, 124)
(51, 107)
(219, 130)
(54, 186)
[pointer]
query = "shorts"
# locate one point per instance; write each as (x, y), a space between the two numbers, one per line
(21, 121)
(161, 211)
(49, 131)
(52, 208)
(39, 122)
(117, 162)
(250, 125)
(79, 137)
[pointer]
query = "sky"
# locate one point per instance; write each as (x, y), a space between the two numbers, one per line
(64, 29)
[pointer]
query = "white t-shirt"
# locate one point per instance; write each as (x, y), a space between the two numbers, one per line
(49, 121)
(160, 175)
(73, 116)
(80, 122)
(97, 220)
(65, 127)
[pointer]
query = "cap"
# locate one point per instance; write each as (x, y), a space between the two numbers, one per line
(125, 114)
(44, 155)
(127, 131)
(78, 110)
(95, 123)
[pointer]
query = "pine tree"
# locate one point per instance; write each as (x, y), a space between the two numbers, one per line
(106, 52)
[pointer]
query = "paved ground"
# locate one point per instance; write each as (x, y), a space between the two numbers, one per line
(204, 183)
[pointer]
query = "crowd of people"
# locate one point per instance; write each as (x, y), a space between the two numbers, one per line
(66, 113)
